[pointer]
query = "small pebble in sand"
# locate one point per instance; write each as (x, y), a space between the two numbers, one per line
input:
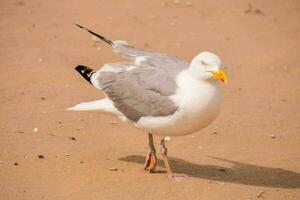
(113, 169)
(215, 133)
(20, 131)
(35, 130)
(255, 11)
(285, 67)
(113, 122)
(16, 164)
(81, 162)
(41, 156)
(153, 17)
(273, 136)
(172, 23)
(259, 12)
(99, 48)
(222, 170)
(43, 98)
(67, 154)
(72, 138)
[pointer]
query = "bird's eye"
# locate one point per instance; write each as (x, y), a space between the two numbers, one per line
(203, 63)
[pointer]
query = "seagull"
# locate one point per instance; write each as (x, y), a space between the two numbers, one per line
(158, 93)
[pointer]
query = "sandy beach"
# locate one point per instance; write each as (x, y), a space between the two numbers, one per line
(250, 152)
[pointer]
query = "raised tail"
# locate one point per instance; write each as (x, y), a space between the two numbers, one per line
(97, 35)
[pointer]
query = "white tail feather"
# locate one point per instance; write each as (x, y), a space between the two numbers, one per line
(103, 104)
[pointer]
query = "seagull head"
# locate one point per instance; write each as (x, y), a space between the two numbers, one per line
(207, 66)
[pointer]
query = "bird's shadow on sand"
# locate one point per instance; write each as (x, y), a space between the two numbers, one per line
(241, 173)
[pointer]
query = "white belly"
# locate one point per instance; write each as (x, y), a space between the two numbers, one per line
(198, 106)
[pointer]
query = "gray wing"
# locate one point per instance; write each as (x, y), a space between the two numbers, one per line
(144, 90)
(141, 88)
(139, 92)
(165, 62)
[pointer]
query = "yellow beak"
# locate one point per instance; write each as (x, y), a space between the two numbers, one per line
(220, 75)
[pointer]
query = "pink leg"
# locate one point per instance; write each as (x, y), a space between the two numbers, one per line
(164, 151)
(151, 160)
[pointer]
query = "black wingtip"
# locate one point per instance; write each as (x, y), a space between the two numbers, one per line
(85, 72)
(97, 35)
